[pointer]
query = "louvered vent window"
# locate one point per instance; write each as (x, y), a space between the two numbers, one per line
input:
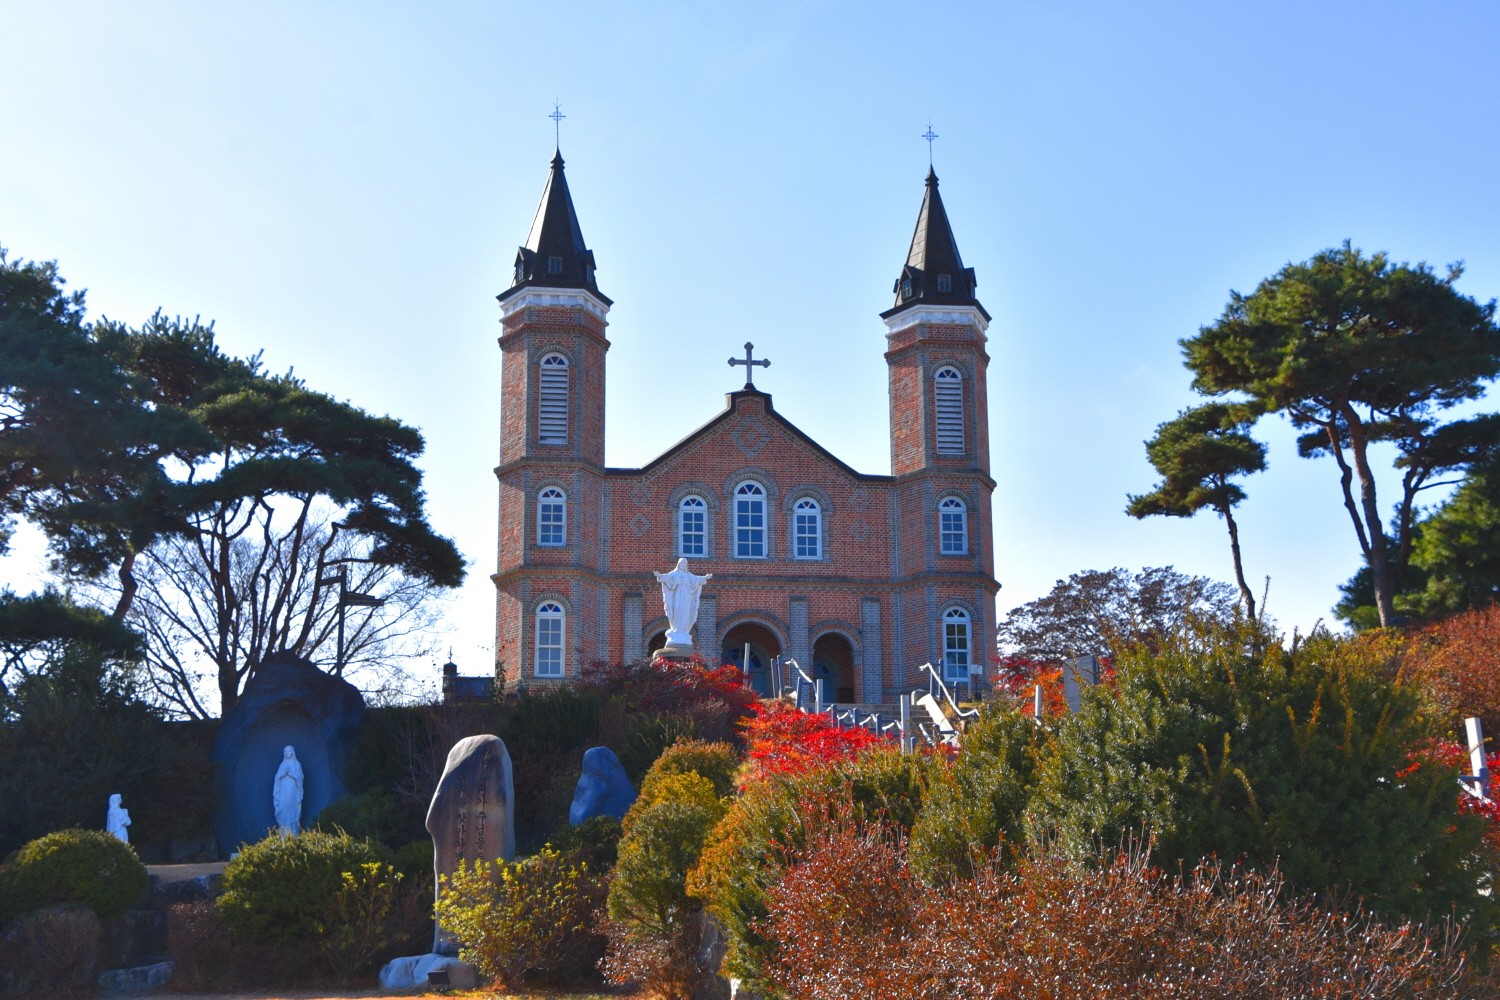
(552, 422)
(948, 392)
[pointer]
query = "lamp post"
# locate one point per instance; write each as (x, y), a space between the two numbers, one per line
(347, 599)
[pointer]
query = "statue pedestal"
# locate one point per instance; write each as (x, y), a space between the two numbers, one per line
(678, 651)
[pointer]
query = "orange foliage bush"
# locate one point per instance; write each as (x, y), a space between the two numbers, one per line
(1457, 661)
(847, 919)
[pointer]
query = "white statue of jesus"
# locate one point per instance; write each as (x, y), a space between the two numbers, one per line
(679, 597)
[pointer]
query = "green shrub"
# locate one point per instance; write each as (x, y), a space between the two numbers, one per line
(286, 889)
(647, 736)
(531, 920)
(1223, 744)
(663, 837)
(358, 928)
(595, 841)
(90, 867)
(715, 761)
(979, 801)
(414, 860)
(375, 815)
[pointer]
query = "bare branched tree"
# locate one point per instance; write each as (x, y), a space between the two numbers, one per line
(258, 579)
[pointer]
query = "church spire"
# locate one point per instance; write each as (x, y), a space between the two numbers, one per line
(554, 255)
(934, 273)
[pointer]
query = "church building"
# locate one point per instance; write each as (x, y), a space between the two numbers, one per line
(859, 577)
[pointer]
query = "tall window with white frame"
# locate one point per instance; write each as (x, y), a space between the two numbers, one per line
(552, 517)
(807, 529)
(550, 630)
(953, 527)
(948, 402)
(956, 647)
(692, 527)
(552, 400)
(750, 521)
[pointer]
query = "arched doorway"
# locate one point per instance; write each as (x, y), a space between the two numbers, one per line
(833, 661)
(656, 642)
(761, 644)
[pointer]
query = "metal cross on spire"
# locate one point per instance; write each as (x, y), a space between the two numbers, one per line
(929, 135)
(557, 116)
(750, 364)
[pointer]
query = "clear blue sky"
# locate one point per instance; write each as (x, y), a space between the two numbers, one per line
(343, 185)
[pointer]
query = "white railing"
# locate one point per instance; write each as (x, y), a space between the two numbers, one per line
(808, 694)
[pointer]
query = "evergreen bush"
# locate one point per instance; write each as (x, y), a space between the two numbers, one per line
(285, 890)
(1224, 744)
(717, 762)
(89, 867)
(978, 801)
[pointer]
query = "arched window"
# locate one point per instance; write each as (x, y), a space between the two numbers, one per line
(552, 517)
(953, 527)
(550, 619)
(750, 521)
(692, 527)
(956, 658)
(552, 412)
(948, 401)
(807, 529)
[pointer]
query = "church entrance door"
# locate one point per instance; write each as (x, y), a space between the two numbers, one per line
(761, 644)
(833, 660)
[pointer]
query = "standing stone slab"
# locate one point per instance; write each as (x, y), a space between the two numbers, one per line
(603, 789)
(472, 817)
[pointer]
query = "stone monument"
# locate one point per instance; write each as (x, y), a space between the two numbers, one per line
(472, 818)
(680, 590)
(603, 789)
(117, 819)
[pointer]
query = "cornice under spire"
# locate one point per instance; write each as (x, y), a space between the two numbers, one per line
(554, 254)
(934, 273)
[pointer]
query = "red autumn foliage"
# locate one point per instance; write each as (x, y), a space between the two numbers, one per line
(848, 920)
(1453, 757)
(782, 739)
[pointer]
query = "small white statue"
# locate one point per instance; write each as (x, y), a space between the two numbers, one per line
(679, 597)
(286, 793)
(117, 819)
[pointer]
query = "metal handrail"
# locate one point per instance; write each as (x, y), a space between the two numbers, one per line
(934, 679)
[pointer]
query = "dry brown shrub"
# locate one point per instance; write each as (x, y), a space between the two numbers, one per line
(848, 920)
(199, 941)
(52, 952)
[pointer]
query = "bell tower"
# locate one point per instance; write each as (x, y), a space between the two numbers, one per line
(940, 451)
(552, 347)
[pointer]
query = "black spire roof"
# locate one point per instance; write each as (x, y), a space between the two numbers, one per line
(934, 273)
(554, 255)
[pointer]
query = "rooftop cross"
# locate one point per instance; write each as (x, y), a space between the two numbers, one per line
(750, 364)
(557, 116)
(929, 135)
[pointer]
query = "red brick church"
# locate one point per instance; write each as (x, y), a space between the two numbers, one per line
(859, 577)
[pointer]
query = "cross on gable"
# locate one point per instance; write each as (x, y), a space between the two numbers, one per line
(750, 364)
